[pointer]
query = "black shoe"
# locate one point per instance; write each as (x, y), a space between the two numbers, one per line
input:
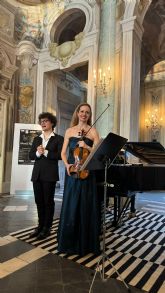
(43, 234)
(35, 232)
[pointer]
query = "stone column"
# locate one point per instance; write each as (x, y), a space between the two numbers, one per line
(106, 59)
(130, 85)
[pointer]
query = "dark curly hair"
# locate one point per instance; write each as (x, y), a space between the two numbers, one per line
(50, 117)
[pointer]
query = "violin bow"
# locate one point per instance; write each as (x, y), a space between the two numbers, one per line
(97, 119)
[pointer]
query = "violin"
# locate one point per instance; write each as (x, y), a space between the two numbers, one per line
(80, 155)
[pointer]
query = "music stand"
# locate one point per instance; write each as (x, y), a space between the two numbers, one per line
(101, 158)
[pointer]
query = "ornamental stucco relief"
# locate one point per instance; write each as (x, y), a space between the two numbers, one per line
(64, 51)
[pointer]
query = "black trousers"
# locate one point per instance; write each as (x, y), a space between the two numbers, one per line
(44, 198)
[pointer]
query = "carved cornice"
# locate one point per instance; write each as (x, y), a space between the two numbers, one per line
(132, 24)
(27, 48)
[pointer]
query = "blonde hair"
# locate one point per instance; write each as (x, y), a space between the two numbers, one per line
(75, 120)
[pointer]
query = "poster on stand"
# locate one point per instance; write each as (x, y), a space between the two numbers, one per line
(25, 142)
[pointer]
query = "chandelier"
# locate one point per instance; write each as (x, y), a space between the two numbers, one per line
(101, 79)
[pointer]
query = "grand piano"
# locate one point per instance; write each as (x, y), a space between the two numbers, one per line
(126, 179)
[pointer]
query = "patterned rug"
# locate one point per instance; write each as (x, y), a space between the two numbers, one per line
(136, 249)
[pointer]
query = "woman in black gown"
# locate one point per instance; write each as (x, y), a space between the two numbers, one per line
(79, 226)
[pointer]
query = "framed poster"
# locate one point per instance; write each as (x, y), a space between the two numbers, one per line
(25, 142)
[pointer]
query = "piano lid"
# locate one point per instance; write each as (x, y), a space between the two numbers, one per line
(150, 152)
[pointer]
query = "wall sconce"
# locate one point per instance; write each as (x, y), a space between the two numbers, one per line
(102, 80)
(154, 122)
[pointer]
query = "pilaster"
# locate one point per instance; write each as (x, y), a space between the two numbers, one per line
(129, 118)
(107, 59)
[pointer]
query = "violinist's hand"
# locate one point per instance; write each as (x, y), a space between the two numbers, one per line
(40, 149)
(68, 168)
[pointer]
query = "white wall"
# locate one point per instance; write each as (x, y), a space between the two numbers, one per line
(21, 174)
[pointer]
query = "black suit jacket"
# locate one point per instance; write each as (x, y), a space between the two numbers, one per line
(46, 168)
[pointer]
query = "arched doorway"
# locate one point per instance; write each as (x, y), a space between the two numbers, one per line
(153, 74)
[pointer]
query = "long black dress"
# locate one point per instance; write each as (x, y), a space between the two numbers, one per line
(79, 226)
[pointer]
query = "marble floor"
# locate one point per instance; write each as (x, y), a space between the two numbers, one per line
(24, 268)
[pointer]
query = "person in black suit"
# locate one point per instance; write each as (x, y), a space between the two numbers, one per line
(46, 151)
